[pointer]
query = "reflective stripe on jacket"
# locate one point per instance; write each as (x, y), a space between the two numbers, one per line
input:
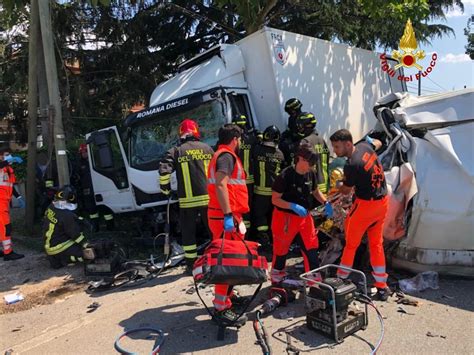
(190, 160)
(236, 185)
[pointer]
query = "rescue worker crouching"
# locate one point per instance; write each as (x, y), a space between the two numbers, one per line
(249, 140)
(228, 202)
(364, 173)
(268, 160)
(87, 197)
(190, 159)
(292, 196)
(7, 190)
(62, 230)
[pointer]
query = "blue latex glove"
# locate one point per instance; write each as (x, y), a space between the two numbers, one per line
(229, 224)
(328, 209)
(8, 159)
(18, 160)
(369, 140)
(21, 202)
(299, 210)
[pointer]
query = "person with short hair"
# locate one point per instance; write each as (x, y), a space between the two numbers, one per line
(292, 196)
(364, 174)
(228, 202)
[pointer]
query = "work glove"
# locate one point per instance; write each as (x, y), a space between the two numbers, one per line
(229, 224)
(17, 160)
(328, 209)
(299, 210)
(21, 202)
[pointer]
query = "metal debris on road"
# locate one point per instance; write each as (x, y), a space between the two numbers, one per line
(407, 301)
(431, 335)
(401, 310)
(93, 307)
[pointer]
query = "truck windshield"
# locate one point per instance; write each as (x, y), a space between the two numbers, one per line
(151, 140)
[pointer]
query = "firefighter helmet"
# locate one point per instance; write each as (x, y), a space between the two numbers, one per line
(305, 123)
(66, 193)
(271, 134)
(293, 105)
(240, 120)
(189, 127)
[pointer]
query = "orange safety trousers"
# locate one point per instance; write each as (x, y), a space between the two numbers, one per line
(222, 292)
(366, 216)
(4, 222)
(285, 227)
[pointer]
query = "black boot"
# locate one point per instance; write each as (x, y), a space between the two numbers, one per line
(189, 266)
(228, 317)
(12, 256)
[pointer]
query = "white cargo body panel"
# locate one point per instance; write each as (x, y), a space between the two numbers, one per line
(338, 83)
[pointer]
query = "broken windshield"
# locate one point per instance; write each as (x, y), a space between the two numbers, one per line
(150, 141)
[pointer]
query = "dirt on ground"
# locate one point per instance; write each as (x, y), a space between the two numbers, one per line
(36, 281)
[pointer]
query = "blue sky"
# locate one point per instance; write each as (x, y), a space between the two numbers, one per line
(453, 69)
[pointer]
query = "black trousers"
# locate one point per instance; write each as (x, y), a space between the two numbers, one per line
(261, 213)
(188, 218)
(73, 254)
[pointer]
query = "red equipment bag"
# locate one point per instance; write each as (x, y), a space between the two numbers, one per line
(231, 262)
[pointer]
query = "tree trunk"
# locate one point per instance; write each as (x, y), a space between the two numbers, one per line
(53, 91)
(32, 114)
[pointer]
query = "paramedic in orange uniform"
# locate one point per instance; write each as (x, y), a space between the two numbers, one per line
(228, 202)
(363, 173)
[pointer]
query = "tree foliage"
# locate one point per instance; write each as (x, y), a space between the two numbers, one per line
(469, 32)
(112, 53)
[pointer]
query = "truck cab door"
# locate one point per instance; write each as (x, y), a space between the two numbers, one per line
(108, 167)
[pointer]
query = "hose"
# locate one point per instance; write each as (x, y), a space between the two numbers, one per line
(130, 274)
(262, 335)
(365, 299)
(158, 343)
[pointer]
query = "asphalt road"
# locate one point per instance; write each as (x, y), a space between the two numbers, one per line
(442, 324)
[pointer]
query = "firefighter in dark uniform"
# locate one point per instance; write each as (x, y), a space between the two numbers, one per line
(293, 194)
(290, 138)
(62, 230)
(248, 141)
(87, 192)
(190, 159)
(268, 161)
(305, 126)
(364, 174)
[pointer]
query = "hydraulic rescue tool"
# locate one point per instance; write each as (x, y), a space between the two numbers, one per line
(278, 297)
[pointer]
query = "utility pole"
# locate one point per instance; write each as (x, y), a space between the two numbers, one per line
(32, 113)
(53, 91)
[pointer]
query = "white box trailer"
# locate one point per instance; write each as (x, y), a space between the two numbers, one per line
(255, 77)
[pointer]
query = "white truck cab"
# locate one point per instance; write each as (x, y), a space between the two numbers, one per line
(255, 77)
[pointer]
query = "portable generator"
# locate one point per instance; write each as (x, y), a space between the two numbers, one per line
(103, 260)
(329, 304)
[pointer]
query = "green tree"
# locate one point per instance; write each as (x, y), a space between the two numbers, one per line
(469, 32)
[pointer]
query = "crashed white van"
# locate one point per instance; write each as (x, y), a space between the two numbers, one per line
(428, 159)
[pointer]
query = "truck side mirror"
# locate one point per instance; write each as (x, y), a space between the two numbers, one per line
(102, 151)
